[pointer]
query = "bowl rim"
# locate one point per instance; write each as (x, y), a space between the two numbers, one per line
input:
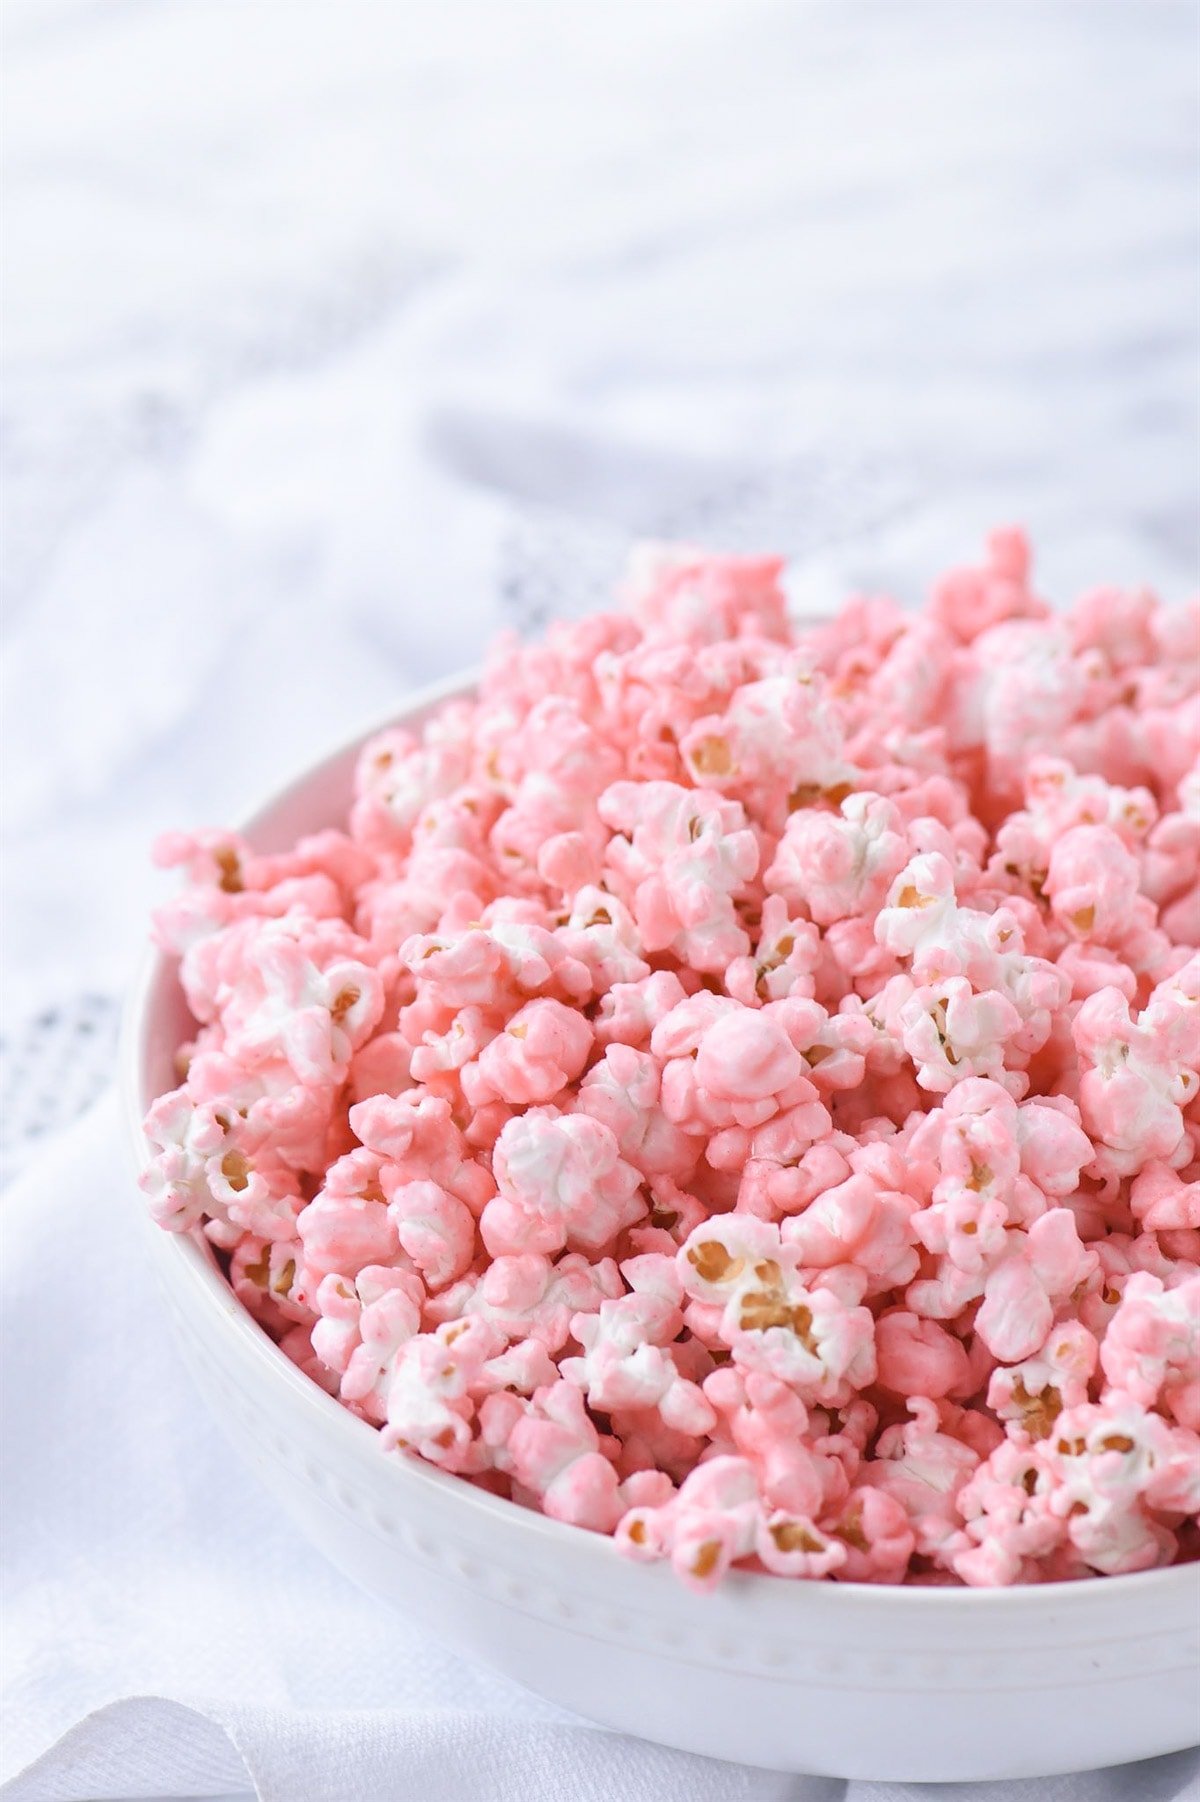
(494, 1512)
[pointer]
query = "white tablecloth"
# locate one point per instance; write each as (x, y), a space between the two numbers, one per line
(336, 334)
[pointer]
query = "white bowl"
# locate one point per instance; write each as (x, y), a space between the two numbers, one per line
(843, 1679)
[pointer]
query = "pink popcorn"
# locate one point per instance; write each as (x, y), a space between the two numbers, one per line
(923, 1469)
(315, 1014)
(1134, 1082)
(779, 741)
(527, 1297)
(415, 1135)
(363, 1324)
(434, 1228)
(951, 1033)
(544, 1047)
(967, 601)
(729, 1070)
(560, 1178)
(262, 1274)
(737, 1087)
(429, 1401)
(622, 1091)
(675, 593)
(1018, 694)
(1151, 1351)
(1162, 1201)
(627, 1361)
(1115, 1465)
(783, 961)
(200, 1171)
(1011, 1527)
(348, 1223)
(770, 1426)
(839, 865)
(1033, 1393)
(1092, 882)
(602, 935)
(630, 1011)
(879, 1542)
(551, 1448)
(686, 856)
(398, 776)
(919, 1357)
(860, 1224)
(758, 1307)
(1039, 1269)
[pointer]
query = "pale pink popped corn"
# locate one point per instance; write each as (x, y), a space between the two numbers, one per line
(734, 1086)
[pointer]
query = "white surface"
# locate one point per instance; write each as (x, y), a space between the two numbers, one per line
(334, 332)
(162, 1614)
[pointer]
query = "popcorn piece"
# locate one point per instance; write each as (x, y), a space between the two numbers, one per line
(560, 1177)
(839, 865)
(363, 1324)
(1151, 1351)
(1134, 1082)
(1092, 882)
(627, 1362)
(760, 1310)
(685, 857)
(544, 1047)
(527, 1297)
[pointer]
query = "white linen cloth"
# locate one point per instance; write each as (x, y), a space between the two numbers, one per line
(167, 1634)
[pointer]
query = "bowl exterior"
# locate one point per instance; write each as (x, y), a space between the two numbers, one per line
(837, 1679)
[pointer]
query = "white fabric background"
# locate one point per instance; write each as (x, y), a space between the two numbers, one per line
(335, 334)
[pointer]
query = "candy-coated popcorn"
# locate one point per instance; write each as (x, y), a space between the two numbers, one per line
(783, 961)
(681, 855)
(676, 594)
(623, 1091)
(201, 1172)
(858, 1223)
(1037, 1271)
(1151, 1351)
(1134, 1081)
(544, 1047)
(1116, 1466)
(528, 1297)
(769, 1425)
(415, 1135)
(551, 1448)
(559, 1177)
(923, 1468)
(718, 1517)
(840, 865)
(879, 1542)
(1033, 1393)
(754, 1303)
(919, 1357)
(630, 1011)
(1092, 882)
(263, 1276)
(1162, 1201)
(434, 1228)
(348, 1223)
(363, 1323)
(735, 1086)
(431, 1397)
(627, 1360)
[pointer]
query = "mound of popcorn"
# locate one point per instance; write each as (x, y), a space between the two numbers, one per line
(734, 1086)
